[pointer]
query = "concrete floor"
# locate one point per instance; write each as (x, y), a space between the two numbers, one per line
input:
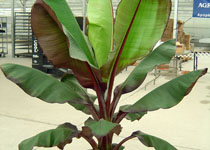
(186, 126)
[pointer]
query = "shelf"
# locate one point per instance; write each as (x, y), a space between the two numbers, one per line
(23, 34)
(3, 37)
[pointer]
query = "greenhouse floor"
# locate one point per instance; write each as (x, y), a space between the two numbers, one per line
(186, 126)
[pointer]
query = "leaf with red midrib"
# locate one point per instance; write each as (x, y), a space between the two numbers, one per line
(55, 45)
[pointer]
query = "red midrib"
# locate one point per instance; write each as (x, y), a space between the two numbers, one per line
(119, 54)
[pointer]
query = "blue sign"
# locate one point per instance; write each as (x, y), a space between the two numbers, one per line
(201, 8)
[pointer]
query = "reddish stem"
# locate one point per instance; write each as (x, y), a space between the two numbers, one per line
(114, 104)
(98, 90)
(120, 117)
(91, 142)
(93, 111)
(122, 142)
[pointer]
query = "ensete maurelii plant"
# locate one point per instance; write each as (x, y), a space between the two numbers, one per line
(112, 44)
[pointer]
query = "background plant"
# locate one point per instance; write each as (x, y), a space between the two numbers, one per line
(112, 45)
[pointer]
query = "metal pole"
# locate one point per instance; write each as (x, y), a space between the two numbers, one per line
(176, 3)
(12, 28)
(175, 18)
(84, 9)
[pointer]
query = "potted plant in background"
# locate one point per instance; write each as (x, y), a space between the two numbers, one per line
(112, 45)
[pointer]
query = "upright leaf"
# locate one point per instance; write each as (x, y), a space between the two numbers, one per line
(139, 25)
(56, 137)
(165, 96)
(78, 46)
(100, 29)
(50, 37)
(152, 141)
(54, 43)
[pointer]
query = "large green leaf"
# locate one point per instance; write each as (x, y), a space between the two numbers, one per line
(165, 96)
(161, 55)
(139, 25)
(41, 85)
(151, 141)
(100, 29)
(102, 127)
(49, 32)
(59, 137)
(50, 37)
(78, 47)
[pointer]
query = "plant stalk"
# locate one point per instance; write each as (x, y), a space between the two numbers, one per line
(120, 117)
(98, 90)
(108, 143)
(91, 142)
(114, 104)
(93, 111)
(123, 141)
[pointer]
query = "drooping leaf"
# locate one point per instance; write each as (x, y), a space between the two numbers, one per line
(161, 55)
(40, 85)
(78, 47)
(165, 96)
(47, 88)
(49, 32)
(139, 25)
(100, 29)
(152, 141)
(56, 137)
(102, 127)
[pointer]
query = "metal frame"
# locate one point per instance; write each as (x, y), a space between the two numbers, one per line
(22, 34)
(3, 37)
(12, 27)
(175, 18)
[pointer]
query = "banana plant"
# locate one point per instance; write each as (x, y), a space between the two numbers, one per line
(112, 44)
